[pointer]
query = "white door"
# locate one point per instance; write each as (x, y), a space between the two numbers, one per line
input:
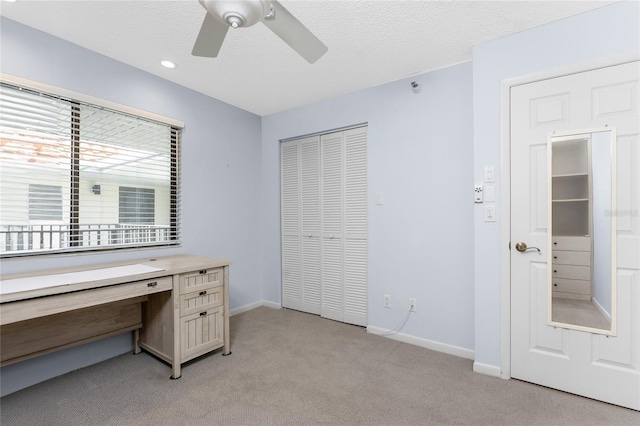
(602, 367)
(324, 225)
(300, 183)
(344, 226)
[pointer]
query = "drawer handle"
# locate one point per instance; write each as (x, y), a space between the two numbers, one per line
(203, 313)
(204, 271)
(202, 293)
(555, 271)
(153, 284)
(555, 244)
(555, 285)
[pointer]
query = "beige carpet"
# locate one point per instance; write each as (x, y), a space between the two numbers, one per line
(578, 312)
(298, 369)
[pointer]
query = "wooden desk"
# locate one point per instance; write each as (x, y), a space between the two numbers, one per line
(178, 308)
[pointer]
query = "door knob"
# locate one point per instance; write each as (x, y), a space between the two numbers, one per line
(522, 247)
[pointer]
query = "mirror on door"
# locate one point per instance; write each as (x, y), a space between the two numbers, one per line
(581, 238)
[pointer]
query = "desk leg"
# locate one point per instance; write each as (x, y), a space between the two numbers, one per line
(227, 340)
(136, 340)
(177, 331)
(176, 370)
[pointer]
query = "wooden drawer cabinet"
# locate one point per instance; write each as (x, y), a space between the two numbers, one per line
(201, 312)
(571, 267)
(190, 321)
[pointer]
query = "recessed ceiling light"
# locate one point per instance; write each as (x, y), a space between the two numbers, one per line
(168, 64)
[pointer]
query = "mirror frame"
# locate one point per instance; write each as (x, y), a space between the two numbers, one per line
(557, 136)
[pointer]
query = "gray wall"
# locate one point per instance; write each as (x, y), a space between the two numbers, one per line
(420, 153)
(221, 175)
(605, 32)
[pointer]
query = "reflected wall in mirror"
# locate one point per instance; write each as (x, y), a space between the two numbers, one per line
(581, 242)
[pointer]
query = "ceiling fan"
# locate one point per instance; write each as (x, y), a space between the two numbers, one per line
(222, 14)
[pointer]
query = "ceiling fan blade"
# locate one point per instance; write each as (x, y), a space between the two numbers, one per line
(296, 35)
(210, 37)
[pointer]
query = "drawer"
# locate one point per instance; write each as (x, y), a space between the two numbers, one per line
(42, 306)
(573, 296)
(578, 258)
(571, 286)
(571, 243)
(157, 285)
(571, 272)
(201, 332)
(196, 301)
(200, 280)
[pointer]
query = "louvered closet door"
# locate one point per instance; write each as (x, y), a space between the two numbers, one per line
(332, 226)
(300, 174)
(324, 225)
(355, 227)
(344, 226)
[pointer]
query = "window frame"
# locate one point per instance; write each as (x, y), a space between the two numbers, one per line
(76, 98)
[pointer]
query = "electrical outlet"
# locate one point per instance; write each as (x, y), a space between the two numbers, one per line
(387, 300)
(412, 304)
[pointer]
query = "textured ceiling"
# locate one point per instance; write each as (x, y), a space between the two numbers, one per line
(370, 42)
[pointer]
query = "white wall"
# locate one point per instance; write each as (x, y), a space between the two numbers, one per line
(605, 32)
(420, 155)
(220, 175)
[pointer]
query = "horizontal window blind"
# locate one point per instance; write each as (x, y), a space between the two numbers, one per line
(75, 176)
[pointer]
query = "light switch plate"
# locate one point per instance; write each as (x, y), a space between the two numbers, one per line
(489, 213)
(489, 193)
(489, 174)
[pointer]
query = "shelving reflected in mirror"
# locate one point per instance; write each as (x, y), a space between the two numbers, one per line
(581, 242)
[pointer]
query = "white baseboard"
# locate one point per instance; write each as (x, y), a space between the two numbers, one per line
(486, 369)
(602, 310)
(250, 306)
(425, 343)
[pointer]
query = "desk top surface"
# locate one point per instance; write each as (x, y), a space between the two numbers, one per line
(57, 281)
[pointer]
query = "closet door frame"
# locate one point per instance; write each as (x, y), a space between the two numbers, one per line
(353, 298)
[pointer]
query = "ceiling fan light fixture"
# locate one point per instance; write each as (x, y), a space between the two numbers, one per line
(238, 13)
(222, 14)
(234, 20)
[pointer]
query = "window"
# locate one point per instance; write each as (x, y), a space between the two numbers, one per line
(45, 202)
(76, 176)
(137, 205)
